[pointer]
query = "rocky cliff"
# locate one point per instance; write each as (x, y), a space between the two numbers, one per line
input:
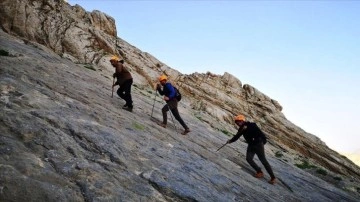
(64, 138)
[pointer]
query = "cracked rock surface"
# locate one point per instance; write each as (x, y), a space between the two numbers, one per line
(63, 138)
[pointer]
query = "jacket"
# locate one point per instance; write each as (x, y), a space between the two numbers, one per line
(251, 132)
(121, 74)
(168, 90)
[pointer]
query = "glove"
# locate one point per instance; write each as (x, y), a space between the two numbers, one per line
(114, 75)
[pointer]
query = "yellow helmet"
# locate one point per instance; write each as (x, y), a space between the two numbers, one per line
(114, 58)
(162, 77)
(239, 118)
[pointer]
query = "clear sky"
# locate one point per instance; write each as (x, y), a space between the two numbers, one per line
(304, 54)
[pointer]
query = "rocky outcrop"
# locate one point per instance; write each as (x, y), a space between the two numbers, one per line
(61, 128)
(69, 31)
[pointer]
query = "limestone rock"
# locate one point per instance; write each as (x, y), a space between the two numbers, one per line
(69, 31)
(64, 138)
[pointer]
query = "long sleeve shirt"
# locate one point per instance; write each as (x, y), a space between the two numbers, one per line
(168, 90)
(251, 132)
(121, 74)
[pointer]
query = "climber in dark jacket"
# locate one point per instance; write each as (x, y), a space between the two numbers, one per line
(124, 80)
(256, 140)
(171, 103)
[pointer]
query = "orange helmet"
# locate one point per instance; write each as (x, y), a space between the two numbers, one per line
(239, 118)
(162, 77)
(114, 58)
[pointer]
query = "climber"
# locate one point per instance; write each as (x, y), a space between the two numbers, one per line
(171, 103)
(256, 140)
(124, 80)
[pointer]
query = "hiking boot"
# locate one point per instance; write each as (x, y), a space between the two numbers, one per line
(259, 174)
(186, 131)
(162, 125)
(128, 108)
(272, 180)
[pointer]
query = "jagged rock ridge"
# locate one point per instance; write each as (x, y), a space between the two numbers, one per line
(97, 144)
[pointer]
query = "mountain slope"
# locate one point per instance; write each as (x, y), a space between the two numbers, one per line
(64, 138)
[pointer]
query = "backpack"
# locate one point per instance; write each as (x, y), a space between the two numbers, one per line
(177, 94)
(264, 138)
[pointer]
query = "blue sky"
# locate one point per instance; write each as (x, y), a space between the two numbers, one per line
(304, 54)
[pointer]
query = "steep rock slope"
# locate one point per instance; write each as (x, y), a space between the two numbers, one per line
(46, 97)
(63, 138)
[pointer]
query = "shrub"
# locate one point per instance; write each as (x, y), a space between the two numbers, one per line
(88, 66)
(279, 154)
(4, 53)
(337, 178)
(138, 126)
(321, 171)
(305, 165)
(224, 131)
(199, 117)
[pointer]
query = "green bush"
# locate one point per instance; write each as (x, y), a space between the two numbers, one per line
(4, 53)
(321, 171)
(305, 165)
(225, 131)
(142, 93)
(88, 66)
(279, 154)
(138, 126)
(337, 178)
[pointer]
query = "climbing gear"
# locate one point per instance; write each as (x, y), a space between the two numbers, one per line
(259, 174)
(112, 91)
(114, 58)
(272, 180)
(162, 77)
(152, 111)
(239, 118)
(222, 146)
(177, 94)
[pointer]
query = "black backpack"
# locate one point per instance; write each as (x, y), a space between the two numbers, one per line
(177, 94)
(264, 138)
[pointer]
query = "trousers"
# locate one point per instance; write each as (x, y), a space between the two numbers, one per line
(258, 149)
(172, 106)
(124, 92)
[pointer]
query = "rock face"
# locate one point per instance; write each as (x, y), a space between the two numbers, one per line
(64, 139)
(69, 31)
